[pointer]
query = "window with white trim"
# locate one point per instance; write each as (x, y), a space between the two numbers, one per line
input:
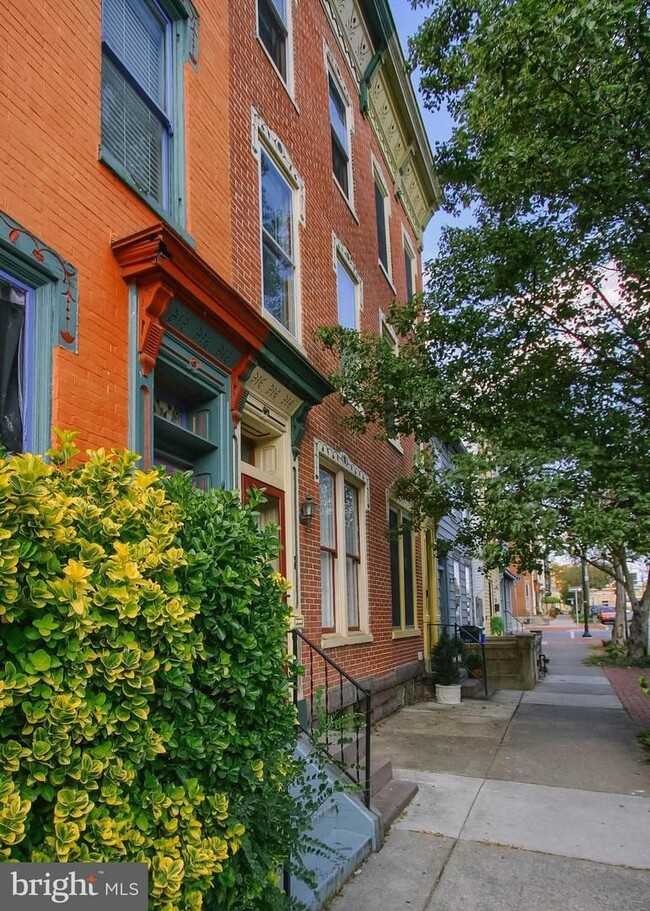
(273, 31)
(402, 568)
(382, 217)
(278, 243)
(347, 296)
(342, 512)
(340, 130)
(389, 338)
(388, 334)
(409, 268)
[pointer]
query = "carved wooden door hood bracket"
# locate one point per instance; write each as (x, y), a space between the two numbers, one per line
(164, 267)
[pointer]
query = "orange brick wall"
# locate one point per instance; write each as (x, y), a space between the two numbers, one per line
(304, 129)
(54, 185)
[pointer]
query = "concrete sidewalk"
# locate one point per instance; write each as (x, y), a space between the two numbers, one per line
(530, 802)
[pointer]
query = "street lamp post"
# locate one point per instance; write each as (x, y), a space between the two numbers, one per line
(585, 599)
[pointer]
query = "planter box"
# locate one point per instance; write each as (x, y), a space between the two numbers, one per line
(448, 695)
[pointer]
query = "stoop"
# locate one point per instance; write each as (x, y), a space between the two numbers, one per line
(343, 830)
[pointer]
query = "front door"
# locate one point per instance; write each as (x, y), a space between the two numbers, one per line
(271, 512)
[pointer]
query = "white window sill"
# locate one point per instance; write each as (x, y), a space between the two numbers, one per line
(409, 633)
(387, 276)
(335, 640)
(281, 328)
(397, 445)
(287, 88)
(347, 199)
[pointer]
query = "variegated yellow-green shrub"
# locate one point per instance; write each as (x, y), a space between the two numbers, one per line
(144, 711)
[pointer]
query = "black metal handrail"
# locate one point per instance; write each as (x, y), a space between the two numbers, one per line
(327, 681)
(465, 634)
(508, 613)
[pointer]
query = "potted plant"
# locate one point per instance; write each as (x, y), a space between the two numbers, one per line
(497, 626)
(445, 658)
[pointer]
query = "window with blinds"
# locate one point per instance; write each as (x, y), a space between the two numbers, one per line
(136, 95)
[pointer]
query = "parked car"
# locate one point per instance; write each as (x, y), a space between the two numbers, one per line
(607, 614)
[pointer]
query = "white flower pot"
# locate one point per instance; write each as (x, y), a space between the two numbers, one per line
(448, 695)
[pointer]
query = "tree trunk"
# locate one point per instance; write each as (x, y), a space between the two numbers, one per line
(637, 643)
(620, 631)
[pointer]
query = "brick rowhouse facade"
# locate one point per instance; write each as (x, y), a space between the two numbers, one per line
(281, 107)
(140, 275)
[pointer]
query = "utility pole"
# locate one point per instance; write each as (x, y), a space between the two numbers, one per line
(585, 599)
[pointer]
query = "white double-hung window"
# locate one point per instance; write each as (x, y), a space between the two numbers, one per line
(278, 244)
(343, 583)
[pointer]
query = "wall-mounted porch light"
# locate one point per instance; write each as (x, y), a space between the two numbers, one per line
(307, 510)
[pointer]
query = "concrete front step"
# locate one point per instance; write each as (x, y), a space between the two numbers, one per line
(473, 688)
(392, 800)
(342, 832)
(336, 854)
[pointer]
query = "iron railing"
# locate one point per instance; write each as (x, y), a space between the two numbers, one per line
(508, 615)
(335, 713)
(464, 635)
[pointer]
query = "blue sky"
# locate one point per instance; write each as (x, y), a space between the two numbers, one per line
(438, 124)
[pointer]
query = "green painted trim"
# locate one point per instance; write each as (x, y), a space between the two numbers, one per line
(186, 361)
(183, 320)
(44, 342)
(32, 261)
(295, 508)
(139, 384)
(298, 428)
(374, 62)
(177, 162)
(113, 165)
(54, 283)
(293, 370)
(379, 17)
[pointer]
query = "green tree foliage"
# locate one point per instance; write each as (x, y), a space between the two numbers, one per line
(569, 575)
(144, 681)
(531, 343)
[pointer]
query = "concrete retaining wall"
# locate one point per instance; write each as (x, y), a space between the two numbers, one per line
(511, 661)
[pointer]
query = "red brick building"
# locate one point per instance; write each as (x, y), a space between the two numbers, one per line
(189, 191)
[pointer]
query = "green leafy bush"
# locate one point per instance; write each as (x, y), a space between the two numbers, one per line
(497, 626)
(446, 656)
(144, 682)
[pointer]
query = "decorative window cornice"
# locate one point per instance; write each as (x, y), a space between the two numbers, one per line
(331, 64)
(47, 263)
(341, 460)
(341, 253)
(263, 135)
